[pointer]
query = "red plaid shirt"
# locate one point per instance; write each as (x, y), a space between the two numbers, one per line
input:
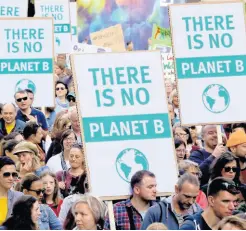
(122, 220)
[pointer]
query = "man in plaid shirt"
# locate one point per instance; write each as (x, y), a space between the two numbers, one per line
(129, 214)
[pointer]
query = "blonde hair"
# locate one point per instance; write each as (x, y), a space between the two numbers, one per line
(59, 124)
(172, 95)
(157, 226)
(232, 220)
(35, 163)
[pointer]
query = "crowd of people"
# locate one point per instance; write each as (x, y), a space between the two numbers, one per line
(43, 175)
(44, 182)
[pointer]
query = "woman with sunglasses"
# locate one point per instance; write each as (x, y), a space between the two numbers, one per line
(51, 194)
(227, 166)
(61, 94)
(26, 212)
(32, 185)
(74, 180)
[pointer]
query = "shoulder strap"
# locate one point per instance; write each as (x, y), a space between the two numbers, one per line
(130, 216)
(160, 219)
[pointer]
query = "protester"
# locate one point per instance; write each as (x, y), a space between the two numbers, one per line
(27, 153)
(143, 186)
(51, 195)
(60, 162)
(32, 185)
(205, 157)
(50, 116)
(74, 180)
(25, 216)
(74, 118)
(237, 145)
(187, 166)
(196, 142)
(71, 98)
(232, 223)
(173, 99)
(30, 96)
(8, 197)
(222, 196)
(9, 123)
(89, 213)
(157, 226)
(180, 148)
(169, 87)
(8, 147)
(171, 211)
(28, 113)
(61, 94)
(183, 134)
(172, 115)
(33, 134)
(14, 135)
(62, 123)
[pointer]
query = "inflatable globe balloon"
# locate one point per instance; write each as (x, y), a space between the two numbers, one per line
(129, 161)
(216, 98)
(24, 84)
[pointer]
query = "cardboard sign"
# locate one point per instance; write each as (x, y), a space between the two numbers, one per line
(73, 16)
(125, 120)
(59, 10)
(26, 59)
(111, 37)
(210, 55)
(13, 8)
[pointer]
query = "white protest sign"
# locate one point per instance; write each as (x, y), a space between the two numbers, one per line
(125, 120)
(59, 10)
(73, 16)
(86, 48)
(210, 54)
(13, 8)
(26, 59)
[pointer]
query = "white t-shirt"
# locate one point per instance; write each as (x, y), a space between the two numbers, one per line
(54, 163)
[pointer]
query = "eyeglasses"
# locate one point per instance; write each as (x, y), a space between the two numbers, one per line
(60, 88)
(8, 174)
(20, 99)
(71, 99)
(234, 169)
(38, 192)
(180, 134)
(230, 187)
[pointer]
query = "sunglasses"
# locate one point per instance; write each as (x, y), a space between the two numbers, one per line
(38, 192)
(60, 88)
(228, 169)
(20, 99)
(71, 99)
(8, 174)
(230, 187)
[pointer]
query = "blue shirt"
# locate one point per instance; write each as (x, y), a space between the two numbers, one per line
(36, 113)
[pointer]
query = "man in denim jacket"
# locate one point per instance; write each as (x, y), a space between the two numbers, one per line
(32, 185)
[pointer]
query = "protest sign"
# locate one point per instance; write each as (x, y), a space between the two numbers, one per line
(13, 8)
(111, 37)
(73, 16)
(168, 66)
(210, 54)
(125, 120)
(26, 59)
(59, 10)
(161, 39)
(81, 48)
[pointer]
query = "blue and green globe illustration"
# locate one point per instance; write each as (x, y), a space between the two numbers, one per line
(25, 84)
(216, 98)
(129, 161)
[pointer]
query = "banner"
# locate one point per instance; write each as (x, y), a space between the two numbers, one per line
(13, 8)
(125, 122)
(210, 55)
(59, 10)
(26, 59)
(111, 37)
(73, 16)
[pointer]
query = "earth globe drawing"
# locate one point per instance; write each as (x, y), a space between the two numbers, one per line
(25, 84)
(129, 161)
(216, 98)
